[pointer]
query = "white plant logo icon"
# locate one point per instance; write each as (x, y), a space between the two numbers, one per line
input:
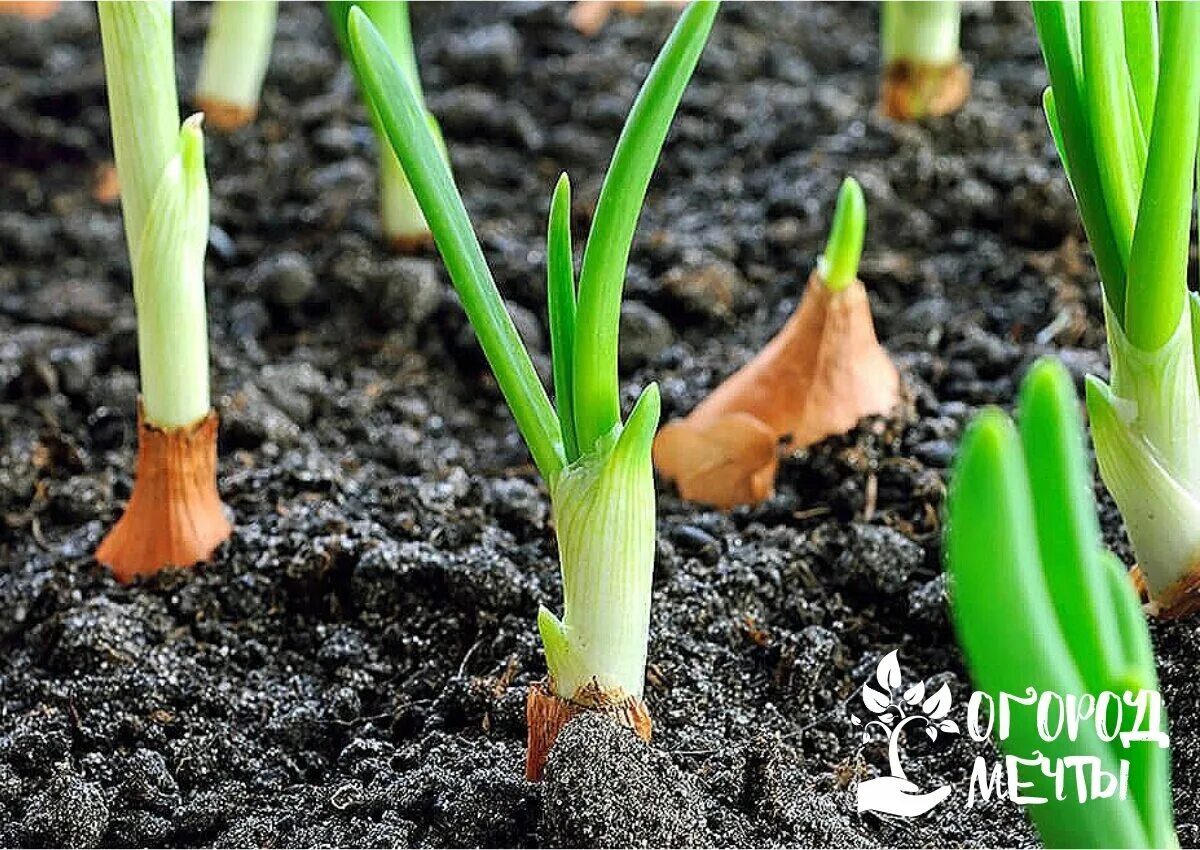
(896, 712)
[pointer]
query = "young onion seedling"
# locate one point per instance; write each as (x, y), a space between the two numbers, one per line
(822, 373)
(174, 516)
(400, 217)
(597, 468)
(235, 59)
(1039, 604)
(1123, 107)
(923, 72)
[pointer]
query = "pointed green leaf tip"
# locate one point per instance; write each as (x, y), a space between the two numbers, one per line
(606, 255)
(560, 301)
(1037, 604)
(839, 263)
(405, 123)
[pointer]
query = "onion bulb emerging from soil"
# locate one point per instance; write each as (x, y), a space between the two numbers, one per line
(1123, 106)
(597, 467)
(822, 373)
(174, 516)
(236, 53)
(923, 73)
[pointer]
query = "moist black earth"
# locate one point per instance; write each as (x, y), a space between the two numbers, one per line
(350, 668)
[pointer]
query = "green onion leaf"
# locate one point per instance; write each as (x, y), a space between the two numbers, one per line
(139, 70)
(1020, 621)
(560, 289)
(1052, 440)
(602, 276)
(1158, 265)
(406, 125)
(1141, 56)
(1058, 31)
(1106, 84)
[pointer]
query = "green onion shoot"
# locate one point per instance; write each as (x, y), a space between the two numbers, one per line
(1123, 108)
(923, 72)
(234, 64)
(823, 372)
(597, 467)
(1039, 604)
(400, 217)
(174, 516)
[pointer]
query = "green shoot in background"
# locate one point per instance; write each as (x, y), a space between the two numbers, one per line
(1038, 603)
(923, 75)
(1123, 108)
(598, 470)
(401, 220)
(236, 53)
(924, 32)
(164, 199)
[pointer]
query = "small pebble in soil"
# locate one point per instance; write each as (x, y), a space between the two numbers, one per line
(927, 602)
(644, 334)
(712, 290)
(408, 292)
(284, 280)
(698, 543)
(484, 54)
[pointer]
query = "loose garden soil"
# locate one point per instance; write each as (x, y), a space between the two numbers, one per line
(350, 669)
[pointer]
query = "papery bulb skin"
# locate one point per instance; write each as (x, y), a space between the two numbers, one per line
(174, 517)
(822, 373)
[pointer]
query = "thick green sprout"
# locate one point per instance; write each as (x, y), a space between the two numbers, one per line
(1038, 603)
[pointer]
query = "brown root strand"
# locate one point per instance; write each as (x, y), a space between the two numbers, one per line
(174, 516)
(547, 714)
(910, 91)
(822, 373)
(223, 115)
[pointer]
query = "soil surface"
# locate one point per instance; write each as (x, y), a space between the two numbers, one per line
(350, 668)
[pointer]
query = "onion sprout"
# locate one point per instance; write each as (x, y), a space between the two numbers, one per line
(598, 469)
(234, 64)
(174, 516)
(1039, 604)
(1123, 108)
(823, 372)
(401, 220)
(923, 72)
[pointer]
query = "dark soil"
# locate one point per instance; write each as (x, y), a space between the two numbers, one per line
(350, 668)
